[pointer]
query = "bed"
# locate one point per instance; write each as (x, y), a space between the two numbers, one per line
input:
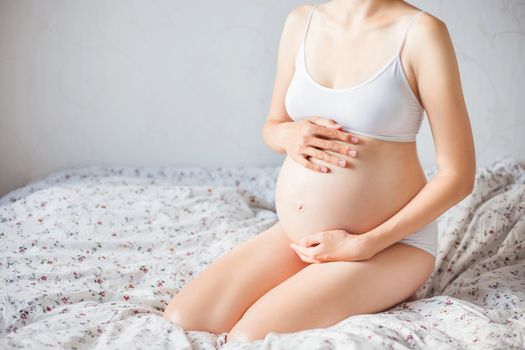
(90, 257)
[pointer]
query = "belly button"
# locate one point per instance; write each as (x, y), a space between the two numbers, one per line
(300, 205)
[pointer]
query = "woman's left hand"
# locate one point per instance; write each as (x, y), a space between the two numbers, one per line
(333, 245)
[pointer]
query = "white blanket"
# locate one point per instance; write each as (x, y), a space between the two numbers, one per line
(91, 256)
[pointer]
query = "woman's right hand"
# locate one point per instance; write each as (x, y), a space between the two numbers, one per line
(308, 138)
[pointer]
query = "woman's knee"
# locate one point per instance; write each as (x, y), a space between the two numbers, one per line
(246, 332)
(196, 320)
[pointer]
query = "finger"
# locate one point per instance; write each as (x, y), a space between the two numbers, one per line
(332, 146)
(307, 259)
(303, 250)
(303, 160)
(324, 122)
(337, 134)
(337, 126)
(306, 241)
(310, 252)
(333, 124)
(318, 154)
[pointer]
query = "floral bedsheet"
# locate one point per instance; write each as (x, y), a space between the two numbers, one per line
(90, 256)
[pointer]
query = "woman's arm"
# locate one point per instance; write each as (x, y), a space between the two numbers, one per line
(439, 84)
(309, 137)
(274, 131)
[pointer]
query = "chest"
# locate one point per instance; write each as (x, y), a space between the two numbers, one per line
(377, 99)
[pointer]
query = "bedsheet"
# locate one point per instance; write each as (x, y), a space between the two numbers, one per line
(90, 256)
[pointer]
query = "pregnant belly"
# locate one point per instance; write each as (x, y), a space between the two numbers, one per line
(371, 189)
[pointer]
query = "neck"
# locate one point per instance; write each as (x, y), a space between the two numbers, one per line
(348, 11)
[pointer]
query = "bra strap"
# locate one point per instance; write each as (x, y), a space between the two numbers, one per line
(309, 19)
(412, 20)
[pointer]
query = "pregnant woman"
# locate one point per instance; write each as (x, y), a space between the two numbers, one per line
(356, 230)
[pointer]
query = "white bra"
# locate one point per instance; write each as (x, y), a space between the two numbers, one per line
(383, 107)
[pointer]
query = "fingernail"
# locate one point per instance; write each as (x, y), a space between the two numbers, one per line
(341, 163)
(324, 170)
(352, 153)
(354, 139)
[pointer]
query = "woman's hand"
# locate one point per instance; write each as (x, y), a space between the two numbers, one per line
(333, 245)
(306, 140)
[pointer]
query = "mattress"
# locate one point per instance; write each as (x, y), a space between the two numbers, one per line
(91, 256)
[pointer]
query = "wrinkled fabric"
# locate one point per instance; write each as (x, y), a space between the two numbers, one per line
(90, 257)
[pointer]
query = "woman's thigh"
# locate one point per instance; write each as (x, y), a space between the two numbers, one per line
(219, 295)
(323, 294)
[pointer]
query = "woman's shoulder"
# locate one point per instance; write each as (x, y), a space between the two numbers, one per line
(299, 14)
(427, 23)
(427, 30)
(295, 23)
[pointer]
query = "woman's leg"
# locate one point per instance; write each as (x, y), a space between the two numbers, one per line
(321, 295)
(218, 296)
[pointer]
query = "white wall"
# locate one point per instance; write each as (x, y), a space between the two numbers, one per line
(189, 83)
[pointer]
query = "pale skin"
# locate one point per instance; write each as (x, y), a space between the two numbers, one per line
(265, 285)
